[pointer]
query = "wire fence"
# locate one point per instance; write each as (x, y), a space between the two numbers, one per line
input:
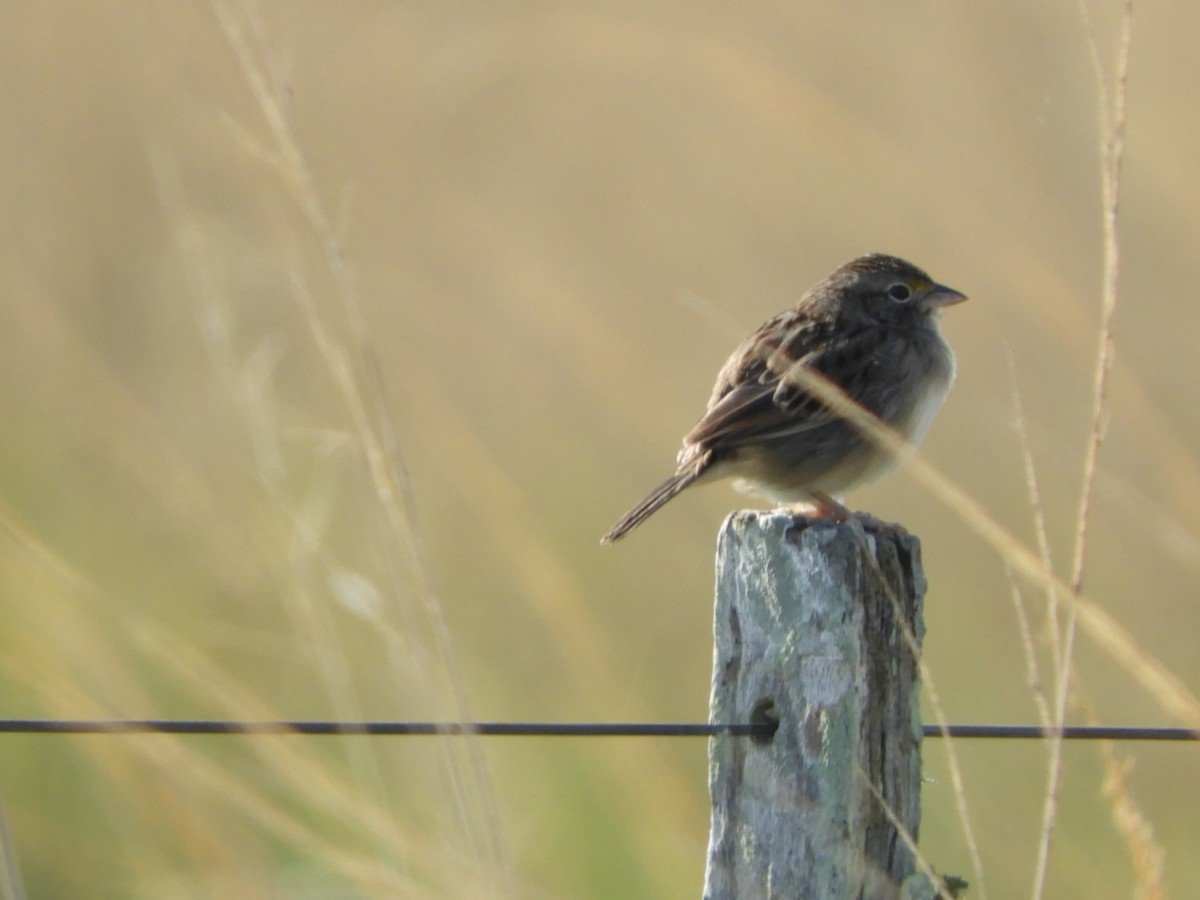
(758, 730)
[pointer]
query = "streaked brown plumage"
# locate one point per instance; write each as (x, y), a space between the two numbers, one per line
(871, 329)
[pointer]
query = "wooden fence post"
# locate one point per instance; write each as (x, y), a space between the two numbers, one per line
(807, 636)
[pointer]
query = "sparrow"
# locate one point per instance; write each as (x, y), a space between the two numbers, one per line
(869, 330)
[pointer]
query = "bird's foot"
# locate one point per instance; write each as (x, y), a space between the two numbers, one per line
(826, 508)
(822, 506)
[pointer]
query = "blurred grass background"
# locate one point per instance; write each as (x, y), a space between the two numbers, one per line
(557, 221)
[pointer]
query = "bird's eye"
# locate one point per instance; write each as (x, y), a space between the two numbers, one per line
(900, 292)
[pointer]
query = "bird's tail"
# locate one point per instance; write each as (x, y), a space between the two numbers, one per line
(651, 503)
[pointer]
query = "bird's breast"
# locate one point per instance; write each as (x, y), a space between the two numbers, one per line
(929, 368)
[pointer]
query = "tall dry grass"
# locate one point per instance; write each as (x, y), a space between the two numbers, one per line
(337, 336)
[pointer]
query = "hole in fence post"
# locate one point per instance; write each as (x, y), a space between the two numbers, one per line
(764, 714)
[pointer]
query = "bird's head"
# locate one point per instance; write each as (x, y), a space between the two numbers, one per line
(890, 289)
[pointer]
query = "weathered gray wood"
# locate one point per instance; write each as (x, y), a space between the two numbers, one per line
(806, 633)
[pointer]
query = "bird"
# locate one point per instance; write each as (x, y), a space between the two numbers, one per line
(871, 330)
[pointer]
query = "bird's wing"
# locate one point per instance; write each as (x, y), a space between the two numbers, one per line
(763, 392)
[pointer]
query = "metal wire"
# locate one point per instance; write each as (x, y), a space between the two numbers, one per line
(1069, 732)
(762, 730)
(490, 729)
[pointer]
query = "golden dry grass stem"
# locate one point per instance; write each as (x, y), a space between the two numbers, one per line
(249, 386)
(355, 374)
(1145, 853)
(1112, 136)
(1032, 673)
(1038, 510)
(923, 864)
(1032, 670)
(1112, 129)
(939, 714)
(1147, 856)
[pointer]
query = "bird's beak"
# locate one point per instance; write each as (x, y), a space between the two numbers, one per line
(943, 296)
